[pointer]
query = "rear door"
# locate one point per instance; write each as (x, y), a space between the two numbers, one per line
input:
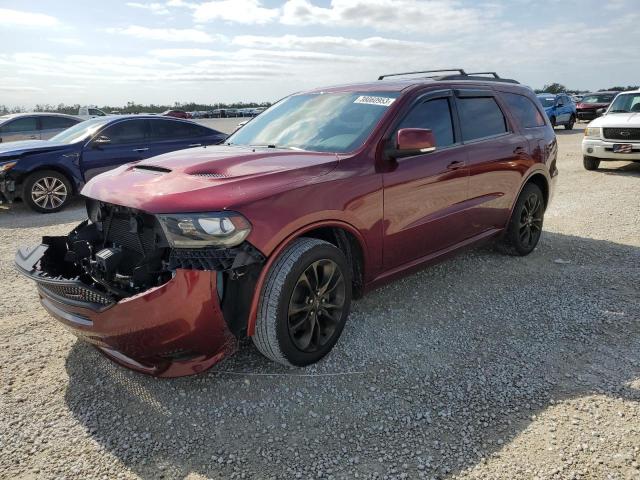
(23, 128)
(129, 141)
(498, 155)
(51, 126)
(424, 194)
(168, 135)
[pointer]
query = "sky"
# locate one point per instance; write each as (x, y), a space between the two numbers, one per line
(166, 51)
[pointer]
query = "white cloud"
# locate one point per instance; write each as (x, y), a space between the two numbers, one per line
(19, 88)
(17, 18)
(186, 52)
(70, 41)
(167, 34)
(154, 7)
(235, 11)
(327, 42)
(428, 17)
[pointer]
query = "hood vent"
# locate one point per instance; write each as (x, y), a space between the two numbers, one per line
(151, 169)
(209, 175)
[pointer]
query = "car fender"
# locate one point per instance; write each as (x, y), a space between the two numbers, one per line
(253, 312)
(64, 162)
(534, 170)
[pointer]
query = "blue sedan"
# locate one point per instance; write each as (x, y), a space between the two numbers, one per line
(559, 108)
(46, 173)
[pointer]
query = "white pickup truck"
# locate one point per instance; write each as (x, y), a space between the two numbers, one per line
(90, 112)
(616, 134)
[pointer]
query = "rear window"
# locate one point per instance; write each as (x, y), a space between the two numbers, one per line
(167, 129)
(524, 110)
(480, 117)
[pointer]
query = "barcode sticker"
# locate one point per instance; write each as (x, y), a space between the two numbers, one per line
(382, 101)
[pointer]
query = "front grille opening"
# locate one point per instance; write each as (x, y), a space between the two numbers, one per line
(622, 134)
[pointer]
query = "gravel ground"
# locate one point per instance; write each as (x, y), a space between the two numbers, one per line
(482, 367)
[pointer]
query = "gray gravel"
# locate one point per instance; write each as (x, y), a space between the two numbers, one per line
(484, 366)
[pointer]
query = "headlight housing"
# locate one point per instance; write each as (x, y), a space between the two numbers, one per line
(593, 132)
(198, 230)
(6, 166)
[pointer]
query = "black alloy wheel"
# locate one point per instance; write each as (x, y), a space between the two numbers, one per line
(316, 305)
(530, 226)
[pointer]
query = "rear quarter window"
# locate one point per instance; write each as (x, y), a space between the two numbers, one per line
(524, 110)
(480, 117)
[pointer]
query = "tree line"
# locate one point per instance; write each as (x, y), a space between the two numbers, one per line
(559, 88)
(132, 107)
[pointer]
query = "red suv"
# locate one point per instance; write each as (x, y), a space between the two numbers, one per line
(324, 196)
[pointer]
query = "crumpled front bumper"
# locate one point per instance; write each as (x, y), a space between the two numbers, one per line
(171, 330)
(7, 189)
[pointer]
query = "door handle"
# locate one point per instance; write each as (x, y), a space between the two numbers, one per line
(455, 165)
(518, 150)
(33, 137)
(141, 149)
(195, 145)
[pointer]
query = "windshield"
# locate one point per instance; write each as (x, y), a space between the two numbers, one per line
(80, 131)
(547, 101)
(322, 122)
(598, 98)
(625, 103)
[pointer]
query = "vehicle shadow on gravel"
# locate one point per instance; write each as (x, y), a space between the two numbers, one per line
(631, 169)
(19, 215)
(433, 374)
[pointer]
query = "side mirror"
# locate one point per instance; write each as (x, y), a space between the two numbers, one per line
(413, 141)
(101, 141)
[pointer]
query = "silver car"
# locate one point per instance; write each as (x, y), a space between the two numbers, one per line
(34, 126)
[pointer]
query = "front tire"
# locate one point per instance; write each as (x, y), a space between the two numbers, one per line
(572, 121)
(590, 163)
(525, 225)
(304, 303)
(47, 191)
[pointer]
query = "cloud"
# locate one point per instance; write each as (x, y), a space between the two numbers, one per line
(428, 17)
(155, 8)
(17, 18)
(235, 11)
(19, 88)
(327, 42)
(70, 41)
(167, 34)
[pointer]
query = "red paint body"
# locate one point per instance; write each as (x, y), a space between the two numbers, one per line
(404, 213)
(176, 114)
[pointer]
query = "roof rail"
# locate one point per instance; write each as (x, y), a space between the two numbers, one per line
(459, 70)
(495, 75)
(476, 77)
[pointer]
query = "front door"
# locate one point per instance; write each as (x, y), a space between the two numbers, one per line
(424, 195)
(128, 141)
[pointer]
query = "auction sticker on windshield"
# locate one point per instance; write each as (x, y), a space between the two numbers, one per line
(382, 101)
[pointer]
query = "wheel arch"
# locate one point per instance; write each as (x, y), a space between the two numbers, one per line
(341, 234)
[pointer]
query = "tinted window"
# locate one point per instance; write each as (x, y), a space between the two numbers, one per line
(435, 115)
(480, 117)
(56, 123)
(167, 129)
(128, 131)
(94, 111)
(524, 110)
(27, 124)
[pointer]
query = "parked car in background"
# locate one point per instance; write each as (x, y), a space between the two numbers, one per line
(577, 98)
(559, 108)
(34, 126)
(593, 105)
(176, 114)
(324, 196)
(90, 112)
(616, 134)
(46, 173)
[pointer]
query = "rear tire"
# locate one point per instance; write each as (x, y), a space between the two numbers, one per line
(47, 191)
(525, 225)
(553, 122)
(590, 163)
(572, 121)
(304, 303)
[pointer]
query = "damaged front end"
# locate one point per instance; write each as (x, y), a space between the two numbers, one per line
(160, 294)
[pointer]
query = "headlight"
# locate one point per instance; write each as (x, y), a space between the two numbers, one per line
(592, 132)
(7, 166)
(197, 230)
